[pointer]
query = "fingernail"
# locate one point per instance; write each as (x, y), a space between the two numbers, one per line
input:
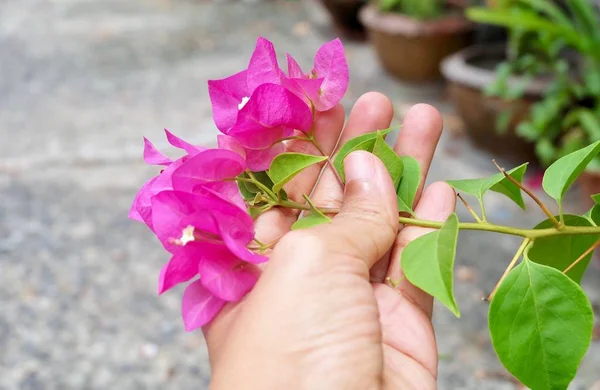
(360, 165)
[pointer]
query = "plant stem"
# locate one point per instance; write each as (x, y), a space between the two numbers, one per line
(510, 266)
(329, 160)
(299, 206)
(583, 255)
(482, 207)
(532, 234)
(261, 185)
(473, 213)
(541, 204)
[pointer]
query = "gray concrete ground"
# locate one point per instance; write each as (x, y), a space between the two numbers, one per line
(81, 81)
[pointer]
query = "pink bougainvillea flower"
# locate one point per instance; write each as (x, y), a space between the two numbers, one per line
(199, 306)
(263, 67)
(182, 267)
(181, 217)
(152, 156)
(181, 144)
(256, 159)
(199, 168)
(224, 275)
(330, 70)
(272, 113)
(212, 165)
(227, 97)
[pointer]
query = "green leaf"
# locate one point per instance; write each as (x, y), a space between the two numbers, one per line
(541, 326)
(596, 198)
(561, 251)
(287, 165)
(506, 187)
(316, 217)
(246, 194)
(390, 159)
(362, 142)
(497, 183)
(428, 263)
(409, 184)
(560, 175)
(593, 215)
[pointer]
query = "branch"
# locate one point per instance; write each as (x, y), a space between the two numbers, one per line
(473, 213)
(510, 267)
(532, 234)
(583, 255)
(545, 209)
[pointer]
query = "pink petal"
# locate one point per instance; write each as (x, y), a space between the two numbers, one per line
(272, 113)
(229, 143)
(260, 160)
(225, 276)
(173, 211)
(331, 65)
(236, 229)
(143, 200)
(199, 306)
(152, 156)
(181, 144)
(225, 96)
(226, 190)
(141, 203)
(306, 89)
(208, 166)
(294, 70)
(263, 67)
(179, 269)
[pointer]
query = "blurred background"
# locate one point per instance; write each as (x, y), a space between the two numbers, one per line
(81, 81)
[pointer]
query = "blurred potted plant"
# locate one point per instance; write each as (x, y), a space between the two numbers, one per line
(561, 40)
(344, 15)
(412, 37)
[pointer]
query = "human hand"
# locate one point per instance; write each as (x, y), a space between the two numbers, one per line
(320, 315)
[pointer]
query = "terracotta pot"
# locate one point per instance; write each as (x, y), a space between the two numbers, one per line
(344, 15)
(589, 183)
(467, 73)
(412, 49)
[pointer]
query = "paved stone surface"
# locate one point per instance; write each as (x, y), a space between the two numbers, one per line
(80, 82)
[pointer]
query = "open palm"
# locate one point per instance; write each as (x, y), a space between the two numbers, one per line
(339, 323)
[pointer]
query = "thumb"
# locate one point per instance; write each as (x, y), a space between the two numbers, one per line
(367, 224)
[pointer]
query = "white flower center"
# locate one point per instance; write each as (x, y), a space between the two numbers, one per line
(187, 235)
(243, 102)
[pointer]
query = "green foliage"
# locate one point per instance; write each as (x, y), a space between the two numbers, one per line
(409, 184)
(418, 9)
(287, 165)
(541, 326)
(560, 175)
(362, 142)
(390, 159)
(314, 218)
(559, 252)
(540, 320)
(428, 263)
(547, 40)
(497, 183)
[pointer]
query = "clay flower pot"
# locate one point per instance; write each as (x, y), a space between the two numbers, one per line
(589, 183)
(344, 15)
(413, 49)
(467, 73)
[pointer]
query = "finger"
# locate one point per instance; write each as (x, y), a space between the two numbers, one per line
(372, 111)
(436, 204)
(367, 223)
(273, 224)
(419, 136)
